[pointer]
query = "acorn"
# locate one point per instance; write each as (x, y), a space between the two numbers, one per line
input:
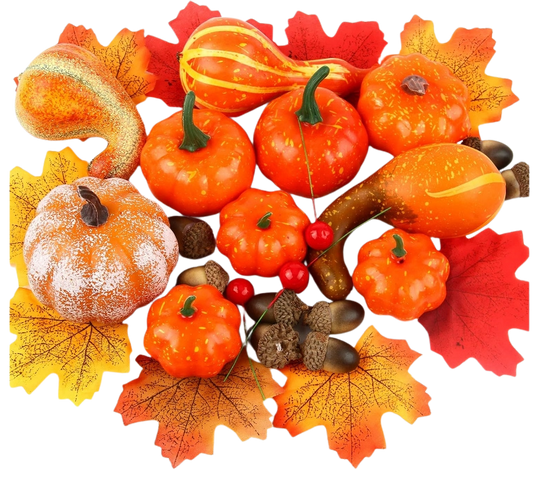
(211, 273)
(195, 237)
(516, 181)
(287, 309)
(321, 352)
(336, 317)
(276, 345)
(499, 153)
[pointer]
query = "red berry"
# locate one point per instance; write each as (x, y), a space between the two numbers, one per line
(239, 291)
(319, 236)
(295, 276)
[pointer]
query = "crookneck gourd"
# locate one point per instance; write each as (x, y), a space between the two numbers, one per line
(67, 92)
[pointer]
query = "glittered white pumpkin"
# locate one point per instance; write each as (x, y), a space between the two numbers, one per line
(97, 250)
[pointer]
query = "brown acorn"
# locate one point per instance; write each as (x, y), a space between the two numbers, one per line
(336, 317)
(211, 273)
(276, 345)
(321, 352)
(499, 153)
(287, 309)
(517, 181)
(195, 237)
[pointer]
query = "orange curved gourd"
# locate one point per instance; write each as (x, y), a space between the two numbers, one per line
(99, 273)
(441, 190)
(67, 92)
(233, 67)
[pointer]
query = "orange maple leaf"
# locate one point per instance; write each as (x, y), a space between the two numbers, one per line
(350, 405)
(126, 57)
(189, 409)
(467, 54)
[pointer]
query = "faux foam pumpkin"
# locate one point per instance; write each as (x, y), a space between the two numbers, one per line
(97, 250)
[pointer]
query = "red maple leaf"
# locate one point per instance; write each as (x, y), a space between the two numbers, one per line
(484, 300)
(359, 43)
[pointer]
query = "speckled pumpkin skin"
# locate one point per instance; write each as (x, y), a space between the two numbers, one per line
(99, 274)
(67, 92)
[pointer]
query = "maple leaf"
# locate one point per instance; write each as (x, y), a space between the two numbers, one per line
(78, 353)
(483, 301)
(350, 405)
(26, 191)
(360, 44)
(467, 54)
(189, 409)
(126, 57)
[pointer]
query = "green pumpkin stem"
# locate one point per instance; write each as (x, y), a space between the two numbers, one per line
(399, 250)
(194, 138)
(264, 222)
(188, 310)
(309, 112)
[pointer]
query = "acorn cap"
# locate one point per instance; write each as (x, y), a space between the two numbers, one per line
(278, 346)
(216, 276)
(199, 241)
(288, 308)
(320, 318)
(472, 142)
(314, 350)
(517, 181)
(195, 237)
(211, 273)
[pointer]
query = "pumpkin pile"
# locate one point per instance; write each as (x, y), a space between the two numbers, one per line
(97, 250)
(100, 250)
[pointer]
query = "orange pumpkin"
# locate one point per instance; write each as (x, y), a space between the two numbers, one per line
(97, 250)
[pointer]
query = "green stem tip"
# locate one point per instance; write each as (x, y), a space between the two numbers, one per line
(399, 250)
(264, 222)
(193, 137)
(309, 112)
(188, 310)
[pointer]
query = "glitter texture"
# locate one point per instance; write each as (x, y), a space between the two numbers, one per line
(101, 274)
(67, 92)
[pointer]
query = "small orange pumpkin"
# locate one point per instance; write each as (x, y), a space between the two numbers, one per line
(97, 250)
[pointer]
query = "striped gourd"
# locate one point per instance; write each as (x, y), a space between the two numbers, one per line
(232, 67)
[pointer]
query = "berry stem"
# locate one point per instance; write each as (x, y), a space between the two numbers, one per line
(345, 235)
(308, 167)
(250, 334)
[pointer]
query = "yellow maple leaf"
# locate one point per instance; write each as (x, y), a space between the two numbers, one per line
(78, 353)
(26, 191)
(350, 405)
(126, 57)
(467, 54)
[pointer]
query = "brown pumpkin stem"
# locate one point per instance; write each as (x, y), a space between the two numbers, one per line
(94, 213)
(415, 85)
